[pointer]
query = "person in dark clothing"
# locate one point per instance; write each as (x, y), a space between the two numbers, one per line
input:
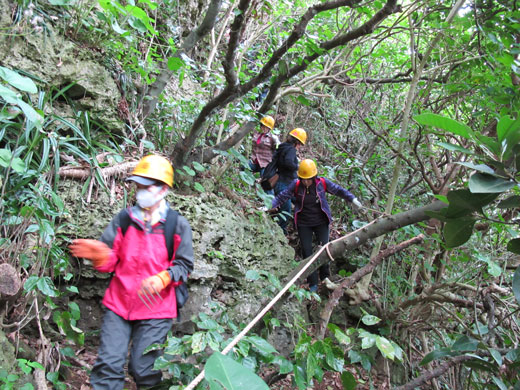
(312, 214)
(287, 167)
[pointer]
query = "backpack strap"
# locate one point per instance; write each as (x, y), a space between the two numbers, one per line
(323, 183)
(124, 220)
(169, 230)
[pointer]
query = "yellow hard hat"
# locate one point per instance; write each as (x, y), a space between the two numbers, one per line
(299, 134)
(268, 121)
(307, 169)
(151, 169)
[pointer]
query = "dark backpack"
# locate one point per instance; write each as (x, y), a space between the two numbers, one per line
(270, 174)
(322, 179)
(181, 291)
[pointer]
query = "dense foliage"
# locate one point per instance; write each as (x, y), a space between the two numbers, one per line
(404, 102)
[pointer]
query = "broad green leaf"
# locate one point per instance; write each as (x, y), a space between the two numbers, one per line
(490, 143)
(20, 82)
(465, 343)
(342, 337)
(482, 183)
(437, 354)
(501, 385)
(496, 355)
(348, 380)
(478, 363)
(247, 177)
(494, 269)
(514, 246)
(368, 340)
(510, 203)
(175, 63)
(455, 148)
(507, 128)
(370, 319)
(463, 202)
(385, 347)
(458, 231)
(8, 95)
(188, 170)
(480, 167)
(516, 284)
(223, 371)
(261, 345)
(444, 123)
(30, 113)
(46, 286)
(285, 365)
(252, 275)
(198, 166)
(199, 187)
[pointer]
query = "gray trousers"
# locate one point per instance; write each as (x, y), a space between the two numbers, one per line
(116, 334)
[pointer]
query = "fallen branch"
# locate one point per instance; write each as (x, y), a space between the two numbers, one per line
(383, 225)
(355, 277)
(437, 372)
(85, 172)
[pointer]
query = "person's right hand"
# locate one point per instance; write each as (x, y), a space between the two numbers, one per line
(96, 251)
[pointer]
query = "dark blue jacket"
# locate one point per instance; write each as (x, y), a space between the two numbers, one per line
(332, 188)
(287, 162)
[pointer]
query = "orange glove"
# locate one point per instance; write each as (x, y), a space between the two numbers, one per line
(155, 283)
(96, 251)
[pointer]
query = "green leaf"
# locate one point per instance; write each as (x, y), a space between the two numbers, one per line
(370, 319)
(465, 343)
(480, 167)
(385, 347)
(463, 202)
(510, 203)
(348, 380)
(175, 63)
(261, 345)
(247, 177)
(8, 95)
(496, 355)
(516, 284)
(198, 166)
(458, 231)
(199, 187)
(514, 246)
(437, 354)
(46, 286)
(455, 148)
(226, 373)
(507, 129)
(482, 183)
(30, 113)
(188, 170)
(501, 385)
(252, 275)
(20, 82)
(444, 123)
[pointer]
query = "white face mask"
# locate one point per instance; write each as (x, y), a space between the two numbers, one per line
(147, 197)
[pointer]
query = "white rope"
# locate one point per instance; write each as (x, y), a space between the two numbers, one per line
(259, 316)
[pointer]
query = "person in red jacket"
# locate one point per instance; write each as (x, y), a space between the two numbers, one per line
(140, 300)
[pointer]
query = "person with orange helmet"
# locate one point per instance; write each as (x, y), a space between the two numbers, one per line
(141, 300)
(312, 214)
(287, 164)
(264, 145)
